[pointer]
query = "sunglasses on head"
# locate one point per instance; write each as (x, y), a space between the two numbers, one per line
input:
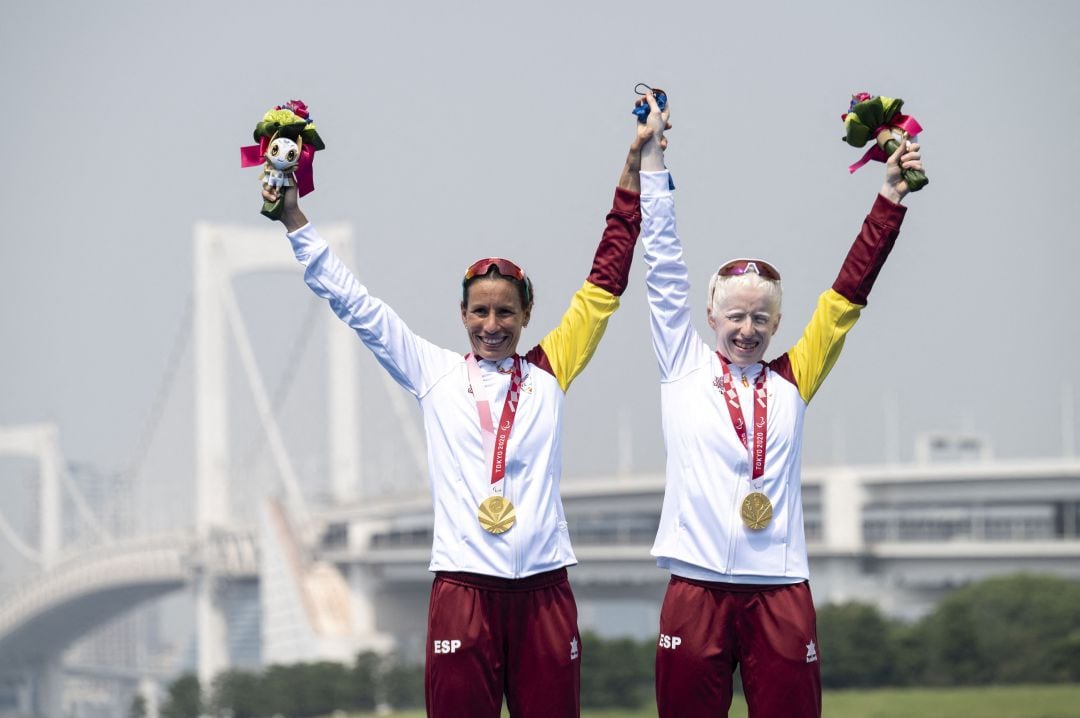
(739, 267)
(504, 267)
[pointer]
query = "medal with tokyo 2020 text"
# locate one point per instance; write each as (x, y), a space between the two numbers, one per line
(756, 510)
(496, 513)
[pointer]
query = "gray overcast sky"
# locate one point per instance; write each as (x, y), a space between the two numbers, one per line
(460, 129)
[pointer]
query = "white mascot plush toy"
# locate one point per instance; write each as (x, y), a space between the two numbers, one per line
(282, 157)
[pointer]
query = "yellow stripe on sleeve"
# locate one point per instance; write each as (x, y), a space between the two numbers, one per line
(813, 356)
(570, 346)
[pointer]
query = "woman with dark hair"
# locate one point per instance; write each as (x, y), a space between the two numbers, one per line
(502, 617)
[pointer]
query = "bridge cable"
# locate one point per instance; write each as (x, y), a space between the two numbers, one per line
(285, 382)
(181, 339)
(24, 549)
(81, 504)
(262, 402)
(157, 409)
(407, 423)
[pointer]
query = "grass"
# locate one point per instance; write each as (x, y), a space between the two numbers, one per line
(1050, 701)
(1044, 701)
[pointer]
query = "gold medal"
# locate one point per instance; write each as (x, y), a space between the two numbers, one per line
(756, 511)
(496, 514)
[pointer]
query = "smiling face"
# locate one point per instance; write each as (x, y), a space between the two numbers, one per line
(494, 317)
(283, 154)
(744, 319)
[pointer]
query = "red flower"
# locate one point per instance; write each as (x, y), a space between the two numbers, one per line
(298, 108)
(859, 97)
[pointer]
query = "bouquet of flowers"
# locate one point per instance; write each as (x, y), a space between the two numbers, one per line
(287, 141)
(875, 117)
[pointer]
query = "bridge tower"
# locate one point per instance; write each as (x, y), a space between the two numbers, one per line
(40, 442)
(223, 252)
(36, 680)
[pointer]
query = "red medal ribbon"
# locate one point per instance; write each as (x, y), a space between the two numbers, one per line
(495, 439)
(761, 418)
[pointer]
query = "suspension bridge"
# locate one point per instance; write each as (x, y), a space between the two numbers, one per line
(325, 579)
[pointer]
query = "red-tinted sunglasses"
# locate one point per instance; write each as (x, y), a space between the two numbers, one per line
(739, 267)
(504, 267)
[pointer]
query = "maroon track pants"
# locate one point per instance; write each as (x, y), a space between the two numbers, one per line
(488, 635)
(707, 629)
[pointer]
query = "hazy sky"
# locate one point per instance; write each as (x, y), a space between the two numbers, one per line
(456, 130)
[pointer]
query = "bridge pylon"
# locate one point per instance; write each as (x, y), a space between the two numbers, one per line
(222, 252)
(40, 442)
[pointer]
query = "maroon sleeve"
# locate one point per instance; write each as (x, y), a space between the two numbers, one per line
(539, 358)
(781, 365)
(869, 251)
(611, 265)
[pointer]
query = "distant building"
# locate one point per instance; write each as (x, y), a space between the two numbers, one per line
(899, 536)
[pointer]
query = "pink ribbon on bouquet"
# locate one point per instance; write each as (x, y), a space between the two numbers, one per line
(253, 155)
(907, 123)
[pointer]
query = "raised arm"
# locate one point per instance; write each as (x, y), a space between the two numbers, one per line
(839, 307)
(667, 279)
(567, 349)
(411, 360)
(649, 139)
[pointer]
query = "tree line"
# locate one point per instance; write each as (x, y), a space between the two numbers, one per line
(1017, 629)
(298, 690)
